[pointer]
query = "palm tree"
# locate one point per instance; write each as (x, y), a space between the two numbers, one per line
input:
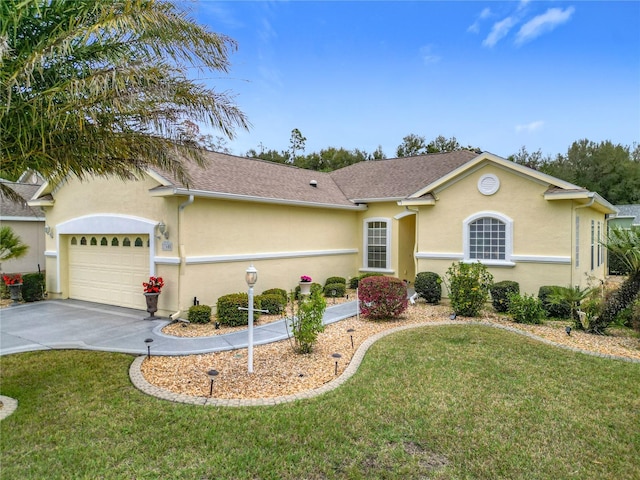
(95, 87)
(625, 243)
(11, 245)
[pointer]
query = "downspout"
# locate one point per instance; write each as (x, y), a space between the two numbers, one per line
(182, 254)
(586, 205)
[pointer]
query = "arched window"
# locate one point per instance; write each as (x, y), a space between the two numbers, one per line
(74, 241)
(138, 242)
(94, 241)
(83, 241)
(488, 237)
(126, 242)
(114, 242)
(104, 242)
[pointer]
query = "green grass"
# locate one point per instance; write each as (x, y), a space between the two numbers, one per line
(439, 402)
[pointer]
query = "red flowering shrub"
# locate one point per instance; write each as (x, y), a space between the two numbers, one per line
(154, 285)
(382, 297)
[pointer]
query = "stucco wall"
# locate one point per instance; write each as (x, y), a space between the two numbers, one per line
(542, 229)
(32, 234)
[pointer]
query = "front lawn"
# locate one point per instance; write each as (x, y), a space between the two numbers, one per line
(437, 402)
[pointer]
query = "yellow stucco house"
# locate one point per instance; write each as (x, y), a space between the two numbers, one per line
(398, 216)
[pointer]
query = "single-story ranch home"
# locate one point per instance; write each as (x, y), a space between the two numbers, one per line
(397, 217)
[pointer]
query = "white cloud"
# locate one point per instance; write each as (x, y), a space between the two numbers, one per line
(499, 30)
(475, 26)
(544, 23)
(427, 55)
(530, 127)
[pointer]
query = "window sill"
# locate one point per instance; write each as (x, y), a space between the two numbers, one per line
(377, 270)
(491, 263)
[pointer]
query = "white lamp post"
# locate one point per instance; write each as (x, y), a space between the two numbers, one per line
(251, 276)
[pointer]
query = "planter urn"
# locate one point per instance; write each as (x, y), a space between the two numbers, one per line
(152, 305)
(305, 288)
(15, 291)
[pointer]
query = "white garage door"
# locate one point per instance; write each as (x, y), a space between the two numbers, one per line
(109, 269)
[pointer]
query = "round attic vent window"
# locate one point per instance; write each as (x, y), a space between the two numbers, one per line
(488, 184)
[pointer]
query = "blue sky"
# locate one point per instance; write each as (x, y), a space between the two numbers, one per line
(496, 75)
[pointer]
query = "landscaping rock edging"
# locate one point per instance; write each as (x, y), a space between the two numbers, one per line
(9, 405)
(138, 380)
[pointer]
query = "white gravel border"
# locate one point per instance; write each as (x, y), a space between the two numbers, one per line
(138, 380)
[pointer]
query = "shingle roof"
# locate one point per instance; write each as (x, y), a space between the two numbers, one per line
(394, 178)
(398, 177)
(227, 174)
(630, 211)
(16, 209)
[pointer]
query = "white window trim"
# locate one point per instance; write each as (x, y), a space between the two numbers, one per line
(508, 240)
(365, 245)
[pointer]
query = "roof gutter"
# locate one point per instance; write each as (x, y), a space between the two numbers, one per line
(168, 191)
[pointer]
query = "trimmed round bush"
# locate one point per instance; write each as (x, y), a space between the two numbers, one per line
(33, 286)
(332, 280)
(199, 314)
(354, 282)
(429, 286)
(469, 285)
(382, 297)
(553, 310)
(229, 313)
(500, 293)
(273, 302)
(339, 288)
(277, 291)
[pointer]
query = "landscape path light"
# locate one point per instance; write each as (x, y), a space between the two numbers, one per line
(212, 374)
(336, 356)
(148, 341)
(351, 330)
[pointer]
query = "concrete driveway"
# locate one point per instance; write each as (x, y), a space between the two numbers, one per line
(72, 324)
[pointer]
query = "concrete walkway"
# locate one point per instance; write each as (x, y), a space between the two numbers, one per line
(72, 324)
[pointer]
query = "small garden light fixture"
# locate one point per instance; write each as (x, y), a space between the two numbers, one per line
(148, 341)
(212, 374)
(336, 356)
(351, 330)
(568, 330)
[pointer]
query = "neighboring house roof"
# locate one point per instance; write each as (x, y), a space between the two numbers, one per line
(21, 211)
(629, 211)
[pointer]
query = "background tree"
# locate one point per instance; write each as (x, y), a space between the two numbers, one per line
(297, 143)
(411, 146)
(600, 167)
(533, 160)
(89, 87)
(11, 245)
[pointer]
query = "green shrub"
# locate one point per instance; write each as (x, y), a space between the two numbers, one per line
(332, 280)
(525, 308)
(229, 313)
(355, 281)
(33, 287)
(382, 297)
(429, 286)
(199, 314)
(553, 308)
(340, 290)
(635, 315)
(277, 291)
(469, 285)
(273, 302)
(307, 323)
(500, 294)
(617, 264)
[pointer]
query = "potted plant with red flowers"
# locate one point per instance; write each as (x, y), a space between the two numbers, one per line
(13, 282)
(305, 285)
(152, 290)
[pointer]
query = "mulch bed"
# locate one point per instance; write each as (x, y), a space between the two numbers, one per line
(279, 371)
